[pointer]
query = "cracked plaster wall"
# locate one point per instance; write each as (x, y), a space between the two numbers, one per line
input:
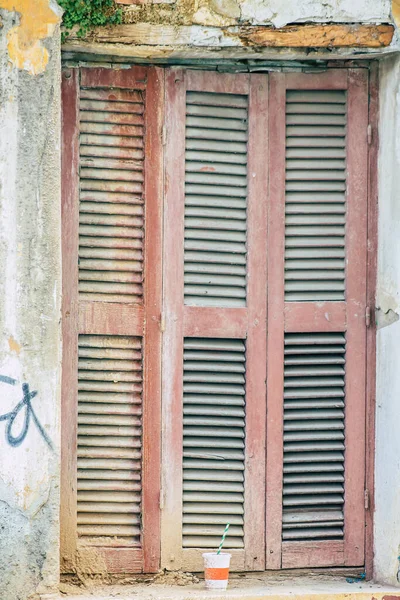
(278, 13)
(387, 484)
(210, 29)
(30, 288)
(30, 347)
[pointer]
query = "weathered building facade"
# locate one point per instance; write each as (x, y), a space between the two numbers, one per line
(199, 240)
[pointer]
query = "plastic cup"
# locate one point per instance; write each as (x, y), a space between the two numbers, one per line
(216, 570)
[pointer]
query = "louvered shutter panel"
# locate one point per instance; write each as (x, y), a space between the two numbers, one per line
(315, 212)
(110, 386)
(316, 327)
(112, 303)
(214, 416)
(215, 317)
(215, 199)
(313, 437)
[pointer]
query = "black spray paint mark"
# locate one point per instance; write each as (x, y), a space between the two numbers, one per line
(10, 417)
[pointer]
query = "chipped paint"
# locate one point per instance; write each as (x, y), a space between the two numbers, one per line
(178, 29)
(320, 36)
(280, 13)
(276, 13)
(135, 40)
(37, 21)
(29, 309)
(216, 13)
(396, 11)
(13, 345)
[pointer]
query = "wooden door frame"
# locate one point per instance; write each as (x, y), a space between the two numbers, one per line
(372, 270)
(69, 159)
(69, 315)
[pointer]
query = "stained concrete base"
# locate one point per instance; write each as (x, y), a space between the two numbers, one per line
(250, 587)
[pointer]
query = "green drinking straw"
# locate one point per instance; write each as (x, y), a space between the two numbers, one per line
(223, 538)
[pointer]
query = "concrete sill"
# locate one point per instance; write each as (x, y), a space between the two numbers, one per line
(250, 587)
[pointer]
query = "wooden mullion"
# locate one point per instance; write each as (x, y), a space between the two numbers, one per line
(69, 384)
(256, 343)
(151, 465)
(275, 323)
(370, 303)
(356, 251)
(172, 369)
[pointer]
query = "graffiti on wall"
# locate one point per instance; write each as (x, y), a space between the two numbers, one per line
(15, 439)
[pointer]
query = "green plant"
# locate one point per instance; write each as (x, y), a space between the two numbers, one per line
(86, 14)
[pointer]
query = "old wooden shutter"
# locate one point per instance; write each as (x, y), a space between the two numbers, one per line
(244, 393)
(112, 205)
(214, 344)
(317, 319)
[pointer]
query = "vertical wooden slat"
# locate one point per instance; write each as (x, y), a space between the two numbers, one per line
(356, 240)
(69, 384)
(275, 326)
(152, 333)
(172, 370)
(371, 331)
(256, 351)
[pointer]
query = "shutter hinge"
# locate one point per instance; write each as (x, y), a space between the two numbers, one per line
(366, 499)
(163, 135)
(367, 316)
(162, 322)
(369, 134)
